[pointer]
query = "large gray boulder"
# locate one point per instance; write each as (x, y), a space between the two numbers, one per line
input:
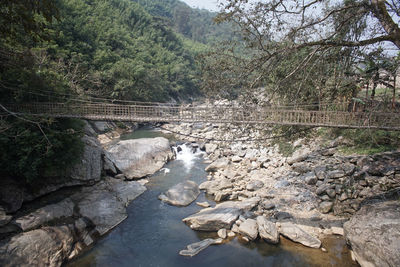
(48, 246)
(374, 234)
(181, 194)
(296, 234)
(90, 166)
(140, 157)
(267, 230)
(63, 209)
(221, 216)
(4, 218)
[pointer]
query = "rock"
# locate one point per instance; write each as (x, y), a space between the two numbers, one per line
(267, 230)
(249, 228)
(322, 189)
(108, 165)
(331, 192)
(11, 194)
(254, 185)
(283, 215)
(126, 191)
(301, 167)
(310, 178)
(101, 126)
(296, 159)
(138, 158)
(63, 209)
(231, 234)
(220, 196)
(222, 233)
(194, 249)
(236, 159)
(267, 205)
(335, 174)
(4, 218)
(204, 204)
(374, 234)
(48, 246)
(90, 166)
(221, 163)
(181, 194)
(210, 148)
(337, 230)
(296, 234)
(221, 216)
(326, 206)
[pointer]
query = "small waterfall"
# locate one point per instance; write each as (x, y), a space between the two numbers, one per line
(187, 153)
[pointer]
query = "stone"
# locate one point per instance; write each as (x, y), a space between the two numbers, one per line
(231, 234)
(221, 163)
(296, 234)
(322, 189)
(138, 158)
(236, 159)
(181, 194)
(222, 215)
(126, 191)
(335, 174)
(90, 166)
(283, 215)
(195, 248)
(254, 185)
(11, 194)
(108, 165)
(337, 230)
(4, 218)
(48, 246)
(331, 193)
(374, 234)
(220, 196)
(210, 148)
(204, 204)
(267, 205)
(267, 230)
(296, 159)
(310, 178)
(46, 214)
(249, 228)
(222, 233)
(326, 206)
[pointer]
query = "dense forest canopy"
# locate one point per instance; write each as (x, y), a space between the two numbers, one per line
(58, 50)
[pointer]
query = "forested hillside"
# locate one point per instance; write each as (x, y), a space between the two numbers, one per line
(57, 50)
(196, 24)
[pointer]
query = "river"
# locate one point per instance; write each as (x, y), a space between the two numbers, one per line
(154, 233)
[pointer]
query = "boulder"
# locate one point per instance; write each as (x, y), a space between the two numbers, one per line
(126, 191)
(296, 234)
(138, 158)
(4, 218)
(221, 216)
(210, 148)
(326, 206)
(221, 163)
(63, 209)
(249, 228)
(48, 246)
(374, 234)
(310, 178)
(267, 230)
(194, 249)
(90, 166)
(181, 194)
(108, 165)
(12, 194)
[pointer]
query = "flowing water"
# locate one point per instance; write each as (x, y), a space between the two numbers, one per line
(154, 233)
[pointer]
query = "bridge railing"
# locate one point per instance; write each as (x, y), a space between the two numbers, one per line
(223, 114)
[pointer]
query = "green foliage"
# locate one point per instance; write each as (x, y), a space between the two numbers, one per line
(28, 153)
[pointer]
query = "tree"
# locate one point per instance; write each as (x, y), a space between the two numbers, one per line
(305, 50)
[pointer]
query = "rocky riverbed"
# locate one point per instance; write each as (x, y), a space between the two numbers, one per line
(305, 197)
(54, 222)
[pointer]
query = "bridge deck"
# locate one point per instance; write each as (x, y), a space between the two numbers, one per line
(214, 114)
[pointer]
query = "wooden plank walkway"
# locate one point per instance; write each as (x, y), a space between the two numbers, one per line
(213, 114)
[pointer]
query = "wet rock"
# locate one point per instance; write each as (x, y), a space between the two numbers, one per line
(221, 163)
(181, 194)
(204, 204)
(326, 206)
(254, 185)
(221, 216)
(48, 246)
(195, 248)
(249, 228)
(296, 234)
(267, 230)
(140, 157)
(222, 233)
(63, 209)
(374, 234)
